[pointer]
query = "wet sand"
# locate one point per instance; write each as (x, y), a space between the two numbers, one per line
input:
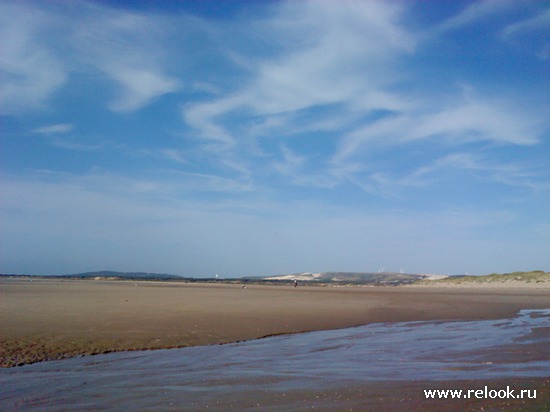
(53, 319)
(381, 366)
(387, 396)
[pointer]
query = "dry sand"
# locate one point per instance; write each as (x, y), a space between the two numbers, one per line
(53, 319)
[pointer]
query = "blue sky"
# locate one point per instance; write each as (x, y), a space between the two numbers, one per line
(260, 138)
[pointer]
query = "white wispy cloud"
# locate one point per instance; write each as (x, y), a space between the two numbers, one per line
(74, 144)
(539, 23)
(138, 86)
(325, 132)
(478, 119)
(348, 70)
(57, 128)
(437, 170)
(470, 119)
(129, 48)
(534, 18)
(476, 12)
(57, 136)
(30, 71)
(204, 118)
(126, 47)
(175, 155)
(345, 61)
(300, 170)
(290, 162)
(202, 182)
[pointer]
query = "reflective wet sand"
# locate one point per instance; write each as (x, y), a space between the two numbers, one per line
(381, 366)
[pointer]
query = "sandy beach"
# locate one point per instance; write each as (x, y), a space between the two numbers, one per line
(53, 319)
(56, 319)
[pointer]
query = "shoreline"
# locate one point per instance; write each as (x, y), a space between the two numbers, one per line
(56, 319)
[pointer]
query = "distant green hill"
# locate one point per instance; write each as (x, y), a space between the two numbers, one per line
(535, 276)
(106, 274)
(306, 278)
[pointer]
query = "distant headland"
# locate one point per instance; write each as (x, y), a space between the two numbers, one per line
(316, 279)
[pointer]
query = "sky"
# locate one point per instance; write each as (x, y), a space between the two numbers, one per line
(255, 138)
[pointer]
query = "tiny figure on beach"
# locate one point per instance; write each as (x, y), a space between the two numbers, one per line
(295, 283)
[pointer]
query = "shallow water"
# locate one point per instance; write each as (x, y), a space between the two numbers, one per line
(378, 352)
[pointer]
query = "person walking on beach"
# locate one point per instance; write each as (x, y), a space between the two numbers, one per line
(295, 283)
